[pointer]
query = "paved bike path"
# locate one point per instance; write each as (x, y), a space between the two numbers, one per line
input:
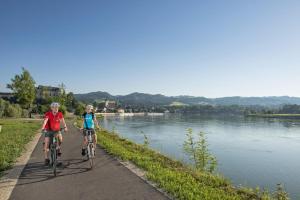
(109, 180)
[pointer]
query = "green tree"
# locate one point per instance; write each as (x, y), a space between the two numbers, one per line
(23, 88)
(70, 102)
(198, 152)
(62, 98)
(79, 109)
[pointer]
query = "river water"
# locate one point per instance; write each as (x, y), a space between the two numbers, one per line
(250, 151)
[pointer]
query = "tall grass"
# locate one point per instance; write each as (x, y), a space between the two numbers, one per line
(13, 137)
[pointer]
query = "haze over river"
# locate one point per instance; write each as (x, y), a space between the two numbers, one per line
(250, 151)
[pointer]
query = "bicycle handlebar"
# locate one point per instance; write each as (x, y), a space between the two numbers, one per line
(61, 129)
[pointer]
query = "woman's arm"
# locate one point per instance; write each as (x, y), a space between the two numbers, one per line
(82, 124)
(96, 122)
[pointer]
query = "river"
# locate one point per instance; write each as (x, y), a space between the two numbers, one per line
(250, 151)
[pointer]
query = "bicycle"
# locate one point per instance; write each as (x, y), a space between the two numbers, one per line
(90, 148)
(53, 152)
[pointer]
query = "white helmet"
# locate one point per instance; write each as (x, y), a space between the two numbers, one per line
(54, 104)
(89, 107)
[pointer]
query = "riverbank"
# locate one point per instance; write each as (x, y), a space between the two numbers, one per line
(15, 134)
(287, 116)
(130, 114)
(174, 177)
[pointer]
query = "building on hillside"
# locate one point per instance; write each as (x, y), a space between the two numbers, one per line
(121, 110)
(6, 95)
(107, 106)
(47, 91)
(110, 105)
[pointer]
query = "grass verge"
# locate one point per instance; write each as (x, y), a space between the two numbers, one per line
(174, 177)
(15, 134)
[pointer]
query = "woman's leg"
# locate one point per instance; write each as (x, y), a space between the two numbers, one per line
(85, 141)
(84, 144)
(95, 140)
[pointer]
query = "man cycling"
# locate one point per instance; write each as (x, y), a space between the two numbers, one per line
(88, 124)
(51, 126)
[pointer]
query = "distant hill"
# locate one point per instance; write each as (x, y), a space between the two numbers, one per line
(158, 99)
(93, 96)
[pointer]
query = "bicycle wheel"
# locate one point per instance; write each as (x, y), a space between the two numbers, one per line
(91, 155)
(54, 160)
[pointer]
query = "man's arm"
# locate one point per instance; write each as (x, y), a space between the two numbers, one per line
(65, 125)
(44, 123)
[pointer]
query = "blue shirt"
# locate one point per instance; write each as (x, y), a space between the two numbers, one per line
(88, 121)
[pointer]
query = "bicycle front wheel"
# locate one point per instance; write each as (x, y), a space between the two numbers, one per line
(54, 160)
(91, 155)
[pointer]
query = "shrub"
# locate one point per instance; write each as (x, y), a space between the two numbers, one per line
(146, 139)
(198, 152)
(280, 193)
(2, 107)
(25, 113)
(13, 110)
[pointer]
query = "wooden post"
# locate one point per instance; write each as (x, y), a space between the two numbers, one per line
(0, 128)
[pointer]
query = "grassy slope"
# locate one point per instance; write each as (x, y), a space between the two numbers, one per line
(173, 176)
(13, 137)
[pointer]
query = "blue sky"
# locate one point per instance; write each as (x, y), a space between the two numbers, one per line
(201, 48)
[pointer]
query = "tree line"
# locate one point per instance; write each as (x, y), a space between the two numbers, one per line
(25, 101)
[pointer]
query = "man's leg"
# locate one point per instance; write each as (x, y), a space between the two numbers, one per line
(59, 139)
(46, 149)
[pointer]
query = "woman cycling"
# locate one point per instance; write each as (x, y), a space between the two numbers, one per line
(88, 124)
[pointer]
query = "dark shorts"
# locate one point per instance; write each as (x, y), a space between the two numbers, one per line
(51, 133)
(86, 130)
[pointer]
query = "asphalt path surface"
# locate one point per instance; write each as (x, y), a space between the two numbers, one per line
(108, 180)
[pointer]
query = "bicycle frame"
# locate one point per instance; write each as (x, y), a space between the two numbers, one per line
(90, 147)
(53, 152)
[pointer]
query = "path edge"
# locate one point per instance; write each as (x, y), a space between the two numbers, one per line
(142, 175)
(137, 171)
(10, 178)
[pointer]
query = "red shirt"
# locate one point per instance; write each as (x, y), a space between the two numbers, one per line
(53, 123)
